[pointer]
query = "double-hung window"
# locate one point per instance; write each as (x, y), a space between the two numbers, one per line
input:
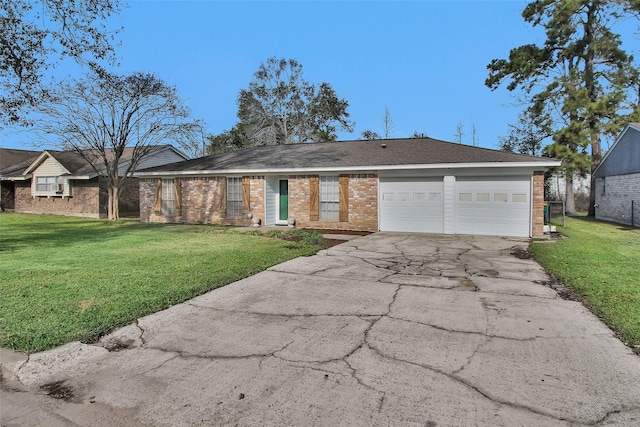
(46, 184)
(168, 197)
(234, 197)
(329, 198)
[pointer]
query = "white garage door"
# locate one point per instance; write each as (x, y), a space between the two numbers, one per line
(493, 206)
(411, 204)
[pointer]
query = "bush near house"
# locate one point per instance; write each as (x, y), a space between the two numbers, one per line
(601, 262)
(65, 278)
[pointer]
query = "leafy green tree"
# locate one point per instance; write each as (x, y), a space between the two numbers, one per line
(580, 72)
(280, 107)
(417, 134)
(369, 135)
(527, 134)
(229, 140)
(102, 114)
(35, 36)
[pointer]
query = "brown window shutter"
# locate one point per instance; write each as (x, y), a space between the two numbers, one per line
(246, 194)
(314, 198)
(344, 198)
(157, 205)
(177, 203)
(222, 188)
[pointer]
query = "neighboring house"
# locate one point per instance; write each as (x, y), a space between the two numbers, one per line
(617, 179)
(11, 162)
(64, 183)
(415, 185)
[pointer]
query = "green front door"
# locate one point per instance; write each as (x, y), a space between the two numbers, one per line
(284, 200)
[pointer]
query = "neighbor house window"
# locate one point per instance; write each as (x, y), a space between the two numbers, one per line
(329, 198)
(47, 184)
(234, 197)
(604, 185)
(168, 197)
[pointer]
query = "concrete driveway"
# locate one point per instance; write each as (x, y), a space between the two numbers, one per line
(387, 329)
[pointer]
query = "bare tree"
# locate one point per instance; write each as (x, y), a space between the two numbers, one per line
(459, 133)
(100, 116)
(387, 123)
(36, 35)
(474, 135)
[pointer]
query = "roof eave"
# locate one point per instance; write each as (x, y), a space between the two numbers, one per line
(540, 165)
(15, 178)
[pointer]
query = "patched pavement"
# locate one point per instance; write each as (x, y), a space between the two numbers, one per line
(387, 329)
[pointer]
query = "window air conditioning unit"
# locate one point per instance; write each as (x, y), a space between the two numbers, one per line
(57, 188)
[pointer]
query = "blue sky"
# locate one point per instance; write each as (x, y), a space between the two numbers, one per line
(424, 60)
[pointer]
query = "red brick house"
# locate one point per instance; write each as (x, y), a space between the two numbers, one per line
(64, 183)
(12, 163)
(415, 185)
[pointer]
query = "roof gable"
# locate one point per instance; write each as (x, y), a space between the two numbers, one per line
(624, 156)
(76, 164)
(42, 159)
(351, 154)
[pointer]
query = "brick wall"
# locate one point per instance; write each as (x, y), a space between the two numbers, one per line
(257, 197)
(538, 205)
(200, 201)
(129, 198)
(7, 196)
(613, 199)
(84, 201)
(363, 204)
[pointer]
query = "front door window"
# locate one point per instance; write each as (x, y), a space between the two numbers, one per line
(283, 214)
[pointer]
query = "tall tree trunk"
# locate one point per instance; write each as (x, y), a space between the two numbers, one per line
(590, 84)
(570, 200)
(113, 207)
(596, 158)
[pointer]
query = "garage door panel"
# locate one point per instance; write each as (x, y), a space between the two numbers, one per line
(493, 206)
(411, 204)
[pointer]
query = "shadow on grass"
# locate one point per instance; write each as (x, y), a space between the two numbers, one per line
(593, 220)
(53, 231)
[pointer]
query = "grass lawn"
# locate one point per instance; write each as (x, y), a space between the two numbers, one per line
(64, 279)
(601, 261)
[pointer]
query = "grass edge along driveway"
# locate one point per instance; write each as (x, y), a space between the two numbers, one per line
(601, 262)
(64, 279)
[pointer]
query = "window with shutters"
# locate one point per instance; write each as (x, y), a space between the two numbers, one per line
(168, 197)
(329, 198)
(234, 197)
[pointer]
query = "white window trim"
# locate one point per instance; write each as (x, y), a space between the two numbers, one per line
(329, 197)
(168, 197)
(234, 197)
(59, 188)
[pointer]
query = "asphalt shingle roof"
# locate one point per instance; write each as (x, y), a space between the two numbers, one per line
(396, 152)
(13, 162)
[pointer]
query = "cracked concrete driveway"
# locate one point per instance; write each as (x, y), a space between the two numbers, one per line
(387, 329)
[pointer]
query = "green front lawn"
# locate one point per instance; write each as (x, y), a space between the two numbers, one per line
(64, 279)
(601, 262)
